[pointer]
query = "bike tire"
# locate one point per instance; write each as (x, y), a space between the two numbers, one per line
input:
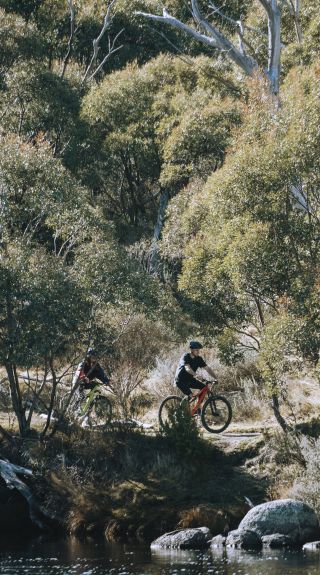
(216, 414)
(100, 413)
(169, 403)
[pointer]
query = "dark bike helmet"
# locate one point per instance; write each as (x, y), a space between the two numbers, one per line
(195, 345)
(91, 352)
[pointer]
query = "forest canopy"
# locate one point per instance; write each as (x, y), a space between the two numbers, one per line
(158, 168)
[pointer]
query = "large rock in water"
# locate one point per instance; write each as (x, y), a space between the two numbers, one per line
(243, 539)
(196, 538)
(283, 516)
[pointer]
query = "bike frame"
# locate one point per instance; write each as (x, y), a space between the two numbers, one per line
(200, 397)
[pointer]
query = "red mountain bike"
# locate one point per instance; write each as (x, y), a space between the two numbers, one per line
(215, 411)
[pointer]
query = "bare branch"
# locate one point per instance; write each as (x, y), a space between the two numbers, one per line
(217, 10)
(247, 64)
(96, 42)
(181, 55)
(214, 38)
(72, 23)
(172, 21)
(294, 9)
(111, 51)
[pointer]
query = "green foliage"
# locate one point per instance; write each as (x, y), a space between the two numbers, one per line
(228, 347)
(39, 198)
(147, 139)
(83, 167)
(254, 240)
(279, 350)
(18, 40)
(38, 103)
(182, 431)
(23, 7)
(42, 309)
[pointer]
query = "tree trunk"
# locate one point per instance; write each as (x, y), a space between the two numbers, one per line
(274, 26)
(276, 410)
(16, 398)
(154, 256)
(52, 399)
(11, 368)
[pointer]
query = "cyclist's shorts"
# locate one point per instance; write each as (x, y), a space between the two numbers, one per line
(186, 386)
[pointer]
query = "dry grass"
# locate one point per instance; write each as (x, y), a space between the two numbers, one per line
(128, 484)
(219, 520)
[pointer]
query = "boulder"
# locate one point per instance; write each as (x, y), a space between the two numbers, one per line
(277, 541)
(218, 541)
(243, 539)
(285, 517)
(197, 538)
(311, 546)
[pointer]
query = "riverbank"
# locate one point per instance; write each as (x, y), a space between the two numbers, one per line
(126, 484)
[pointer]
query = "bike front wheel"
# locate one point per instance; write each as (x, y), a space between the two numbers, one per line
(100, 413)
(216, 414)
(168, 408)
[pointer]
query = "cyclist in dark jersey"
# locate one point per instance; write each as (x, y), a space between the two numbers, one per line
(89, 370)
(185, 377)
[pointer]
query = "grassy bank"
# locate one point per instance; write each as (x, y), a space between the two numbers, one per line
(127, 484)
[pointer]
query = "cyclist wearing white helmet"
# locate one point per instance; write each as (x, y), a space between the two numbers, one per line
(185, 377)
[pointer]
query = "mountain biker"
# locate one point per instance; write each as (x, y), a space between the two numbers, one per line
(185, 376)
(89, 370)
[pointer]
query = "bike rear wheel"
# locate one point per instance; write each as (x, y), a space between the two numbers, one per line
(100, 413)
(168, 408)
(216, 414)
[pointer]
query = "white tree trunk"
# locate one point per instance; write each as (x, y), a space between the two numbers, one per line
(215, 39)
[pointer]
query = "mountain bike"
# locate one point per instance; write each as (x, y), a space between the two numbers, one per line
(215, 410)
(95, 409)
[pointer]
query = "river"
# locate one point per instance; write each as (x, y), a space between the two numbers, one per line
(45, 556)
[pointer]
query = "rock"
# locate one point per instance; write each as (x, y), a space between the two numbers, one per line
(196, 538)
(243, 539)
(218, 541)
(277, 541)
(311, 546)
(14, 510)
(284, 517)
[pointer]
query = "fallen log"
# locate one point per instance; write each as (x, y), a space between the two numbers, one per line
(9, 473)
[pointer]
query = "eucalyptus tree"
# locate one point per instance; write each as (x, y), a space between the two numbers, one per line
(63, 276)
(154, 128)
(249, 246)
(208, 32)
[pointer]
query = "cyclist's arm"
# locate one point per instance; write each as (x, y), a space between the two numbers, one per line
(79, 374)
(210, 371)
(189, 370)
(101, 376)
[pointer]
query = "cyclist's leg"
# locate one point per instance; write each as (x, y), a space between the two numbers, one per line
(184, 387)
(195, 384)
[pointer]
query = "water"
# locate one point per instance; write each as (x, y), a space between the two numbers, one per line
(70, 556)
